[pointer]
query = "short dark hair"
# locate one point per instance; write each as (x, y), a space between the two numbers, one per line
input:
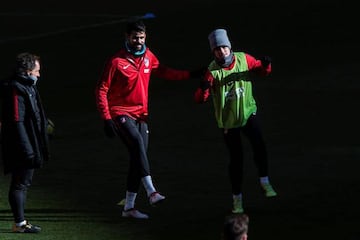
(25, 61)
(235, 225)
(136, 25)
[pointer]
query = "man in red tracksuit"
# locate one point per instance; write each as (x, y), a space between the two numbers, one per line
(122, 100)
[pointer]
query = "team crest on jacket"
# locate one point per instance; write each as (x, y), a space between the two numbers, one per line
(146, 62)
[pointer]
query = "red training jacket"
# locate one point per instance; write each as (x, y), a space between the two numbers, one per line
(123, 86)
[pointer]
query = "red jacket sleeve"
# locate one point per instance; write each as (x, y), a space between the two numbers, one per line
(168, 73)
(101, 91)
(255, 65)
(202, 93)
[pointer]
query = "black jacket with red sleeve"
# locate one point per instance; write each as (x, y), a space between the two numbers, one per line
(25, 142)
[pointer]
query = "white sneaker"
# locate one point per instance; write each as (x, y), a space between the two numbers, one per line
(155, 198)
(133, 213)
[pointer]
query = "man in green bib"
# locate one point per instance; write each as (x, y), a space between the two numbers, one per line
(228, 81)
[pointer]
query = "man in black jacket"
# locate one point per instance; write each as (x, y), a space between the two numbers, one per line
(24, 134)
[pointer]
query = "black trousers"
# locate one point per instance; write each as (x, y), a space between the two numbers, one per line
(135, 135)
(20, 182)
(234, 143)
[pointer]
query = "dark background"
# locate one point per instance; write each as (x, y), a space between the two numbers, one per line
(308, 110)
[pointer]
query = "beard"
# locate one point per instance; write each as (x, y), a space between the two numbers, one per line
(135, 49)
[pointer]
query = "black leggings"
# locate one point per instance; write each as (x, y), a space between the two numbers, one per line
(135, 136)
(234, 143)
(20, 182)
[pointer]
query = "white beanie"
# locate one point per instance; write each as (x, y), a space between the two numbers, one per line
(218, 38)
